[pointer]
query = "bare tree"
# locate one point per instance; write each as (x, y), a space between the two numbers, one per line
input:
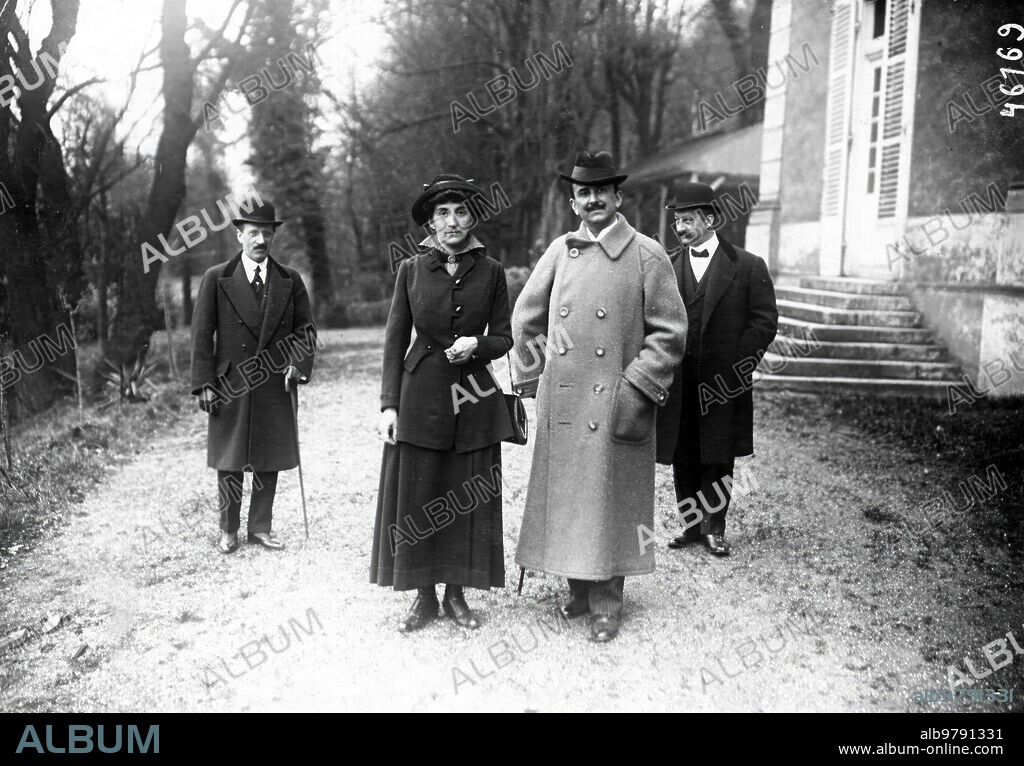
(137, 308)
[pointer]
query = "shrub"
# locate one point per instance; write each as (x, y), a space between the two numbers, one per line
(516, 277)
(368, 313)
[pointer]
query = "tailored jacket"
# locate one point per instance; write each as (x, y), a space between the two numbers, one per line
(241, 350)
(599, 330)
(443, 405)
(739, 321)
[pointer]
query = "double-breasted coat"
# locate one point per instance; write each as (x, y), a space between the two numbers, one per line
(241, 350)
(599, 329)
(435, 398)
(739, 320)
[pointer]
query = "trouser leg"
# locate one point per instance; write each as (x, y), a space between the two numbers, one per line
(261, 507)
(714, 497)
(229, 499)
(579, 590)
(606, 596)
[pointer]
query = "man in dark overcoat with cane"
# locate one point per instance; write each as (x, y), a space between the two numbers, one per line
(253, 341)
(708, 420)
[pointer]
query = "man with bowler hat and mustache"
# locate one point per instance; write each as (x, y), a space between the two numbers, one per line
(605, 294)
(253, 340)
(732, 317)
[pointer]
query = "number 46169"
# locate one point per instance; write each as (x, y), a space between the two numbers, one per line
(1012, 54)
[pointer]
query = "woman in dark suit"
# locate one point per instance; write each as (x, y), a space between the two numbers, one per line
(443, 417)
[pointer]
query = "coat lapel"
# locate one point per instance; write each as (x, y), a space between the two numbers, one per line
(721, 272)
(239, 293)
(279, 290)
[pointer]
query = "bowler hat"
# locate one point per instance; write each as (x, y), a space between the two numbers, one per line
(442, 183)
(687, 194)
(261, 213)
(594, 170)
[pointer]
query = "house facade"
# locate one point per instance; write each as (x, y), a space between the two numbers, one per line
(901, 160)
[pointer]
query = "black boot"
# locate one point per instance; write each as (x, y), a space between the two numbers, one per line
(455, 607)
(424, 609)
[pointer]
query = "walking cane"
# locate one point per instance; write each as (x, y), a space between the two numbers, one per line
(302, 485)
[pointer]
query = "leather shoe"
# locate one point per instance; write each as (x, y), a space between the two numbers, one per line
(264, 539)
(424, 609)
(454, 604)
(604, 627)
(717, 545)
(574, 608)
(228, 542)
(683, 540)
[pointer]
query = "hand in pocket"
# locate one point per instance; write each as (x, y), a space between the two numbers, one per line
(632, 414)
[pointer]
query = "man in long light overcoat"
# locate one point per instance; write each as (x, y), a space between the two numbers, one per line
(606, 296)
(253, 340)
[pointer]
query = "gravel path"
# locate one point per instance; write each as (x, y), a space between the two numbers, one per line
(825, 604)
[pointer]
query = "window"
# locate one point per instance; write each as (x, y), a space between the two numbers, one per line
(877, 18)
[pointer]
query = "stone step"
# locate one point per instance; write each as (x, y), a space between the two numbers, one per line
(919, 389)
(856, 368)
(852, 333)
(836, 300)
(826, 315)
(852, 285)
(907, 352)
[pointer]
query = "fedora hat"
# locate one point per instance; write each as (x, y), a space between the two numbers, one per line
(594, 170)
(687, 194)
(442, 183)
(261, 213)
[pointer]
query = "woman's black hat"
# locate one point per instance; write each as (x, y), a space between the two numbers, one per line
(442, 183)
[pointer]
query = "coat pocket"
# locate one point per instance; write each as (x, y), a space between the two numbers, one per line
(633, 414)
(415, 355)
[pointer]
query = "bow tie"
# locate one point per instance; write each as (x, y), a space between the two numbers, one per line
(699, 253)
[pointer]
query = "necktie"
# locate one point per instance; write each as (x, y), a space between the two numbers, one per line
(451, 265)
(257, 284)
(699, 253)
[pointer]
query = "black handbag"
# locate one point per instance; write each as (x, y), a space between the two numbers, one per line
(516, 413)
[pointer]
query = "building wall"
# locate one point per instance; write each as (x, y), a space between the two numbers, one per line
(803, 146)
(957, 153)
(964, 262)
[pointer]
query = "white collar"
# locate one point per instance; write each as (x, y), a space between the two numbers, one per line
(601, 234)
(250, 267)
(709, 246)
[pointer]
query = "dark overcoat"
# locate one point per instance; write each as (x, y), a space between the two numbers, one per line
(599, 329)
(242, 353)
(739, 320)
(442, 405)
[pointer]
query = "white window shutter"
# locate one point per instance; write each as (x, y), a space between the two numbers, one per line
(837, 127)
(894, 151)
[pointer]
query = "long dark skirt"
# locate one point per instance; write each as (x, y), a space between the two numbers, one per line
(438, 519)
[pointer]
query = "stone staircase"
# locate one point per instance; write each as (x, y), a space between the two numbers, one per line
(838, 334)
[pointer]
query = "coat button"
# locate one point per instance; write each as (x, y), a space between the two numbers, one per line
(593, 425)
(574, 253)
(519, 390)
(563, 312)
(458, 309)
(598, 388)
(245, 347)
(562, 350)
(600, 314)
(599, 351)
(661, 397)
(239, 322)
(430, 348)
(458, 281)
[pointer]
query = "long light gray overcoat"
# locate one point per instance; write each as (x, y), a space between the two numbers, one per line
(609, 316)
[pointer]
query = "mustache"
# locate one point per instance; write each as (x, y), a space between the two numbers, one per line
(598, 206)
